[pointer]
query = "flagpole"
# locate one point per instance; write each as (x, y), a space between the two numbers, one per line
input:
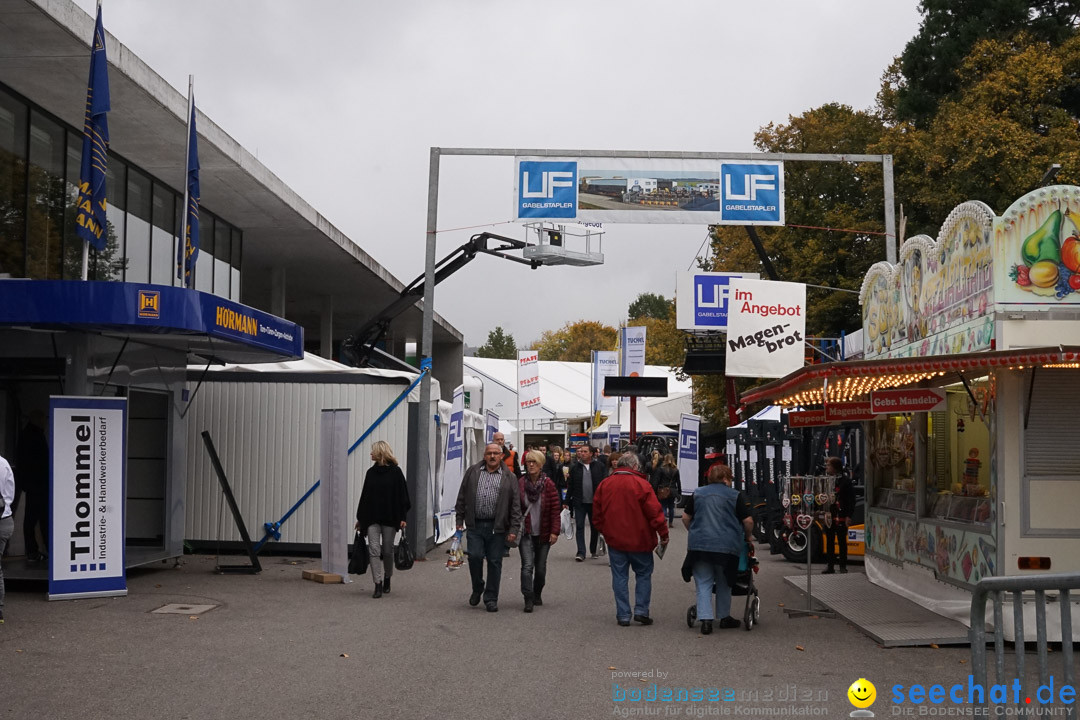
(187, 197)
(86, 243)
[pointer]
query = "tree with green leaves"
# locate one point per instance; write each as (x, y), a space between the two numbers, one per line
(650, 305)
(500, 344)
(574, 342)
(927, 71)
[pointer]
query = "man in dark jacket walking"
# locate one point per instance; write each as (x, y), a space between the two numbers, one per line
(489, 506)
(585, 478)
(630, 516)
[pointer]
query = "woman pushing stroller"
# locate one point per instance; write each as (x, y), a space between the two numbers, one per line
(720, 526)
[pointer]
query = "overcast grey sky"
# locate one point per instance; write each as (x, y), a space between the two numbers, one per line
(343, 100)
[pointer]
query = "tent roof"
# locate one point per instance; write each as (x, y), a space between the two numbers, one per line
(565, 387)
(646, 421)
(309, 365)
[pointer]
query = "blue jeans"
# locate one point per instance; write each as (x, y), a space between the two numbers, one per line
(705, 576)
(534, 555)
(483, 542)
(581, 511)
(621, 562)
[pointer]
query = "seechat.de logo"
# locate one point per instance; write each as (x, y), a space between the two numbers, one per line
(710, 300)
(547, 189)
(751, 192)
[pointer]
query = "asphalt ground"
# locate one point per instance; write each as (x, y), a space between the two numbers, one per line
(278, 646)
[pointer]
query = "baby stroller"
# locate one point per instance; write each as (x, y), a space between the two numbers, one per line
(744, 585)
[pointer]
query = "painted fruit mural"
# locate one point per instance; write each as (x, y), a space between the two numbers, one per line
(1051, 257)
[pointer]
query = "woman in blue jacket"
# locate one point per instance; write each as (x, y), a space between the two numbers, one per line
(719, 523)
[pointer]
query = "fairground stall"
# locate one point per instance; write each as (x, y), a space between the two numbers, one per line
(969, 394)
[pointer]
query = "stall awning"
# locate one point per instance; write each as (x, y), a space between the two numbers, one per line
(195, 322)
(843, 381)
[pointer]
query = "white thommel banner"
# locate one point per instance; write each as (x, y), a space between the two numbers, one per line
(605, 363)
(766, 328)
(491, 426)
(87, 441)
(689, 436)
(528, 379)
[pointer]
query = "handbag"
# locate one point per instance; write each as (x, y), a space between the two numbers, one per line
(358, 563)
(403, 554)
(567, 526)
(663, 493)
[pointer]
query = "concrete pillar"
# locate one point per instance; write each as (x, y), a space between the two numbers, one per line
(326, 328)
(77, 359)
(277, 292)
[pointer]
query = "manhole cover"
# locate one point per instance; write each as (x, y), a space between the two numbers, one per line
(179, 609)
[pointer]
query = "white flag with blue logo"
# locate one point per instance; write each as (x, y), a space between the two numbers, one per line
(689, 437)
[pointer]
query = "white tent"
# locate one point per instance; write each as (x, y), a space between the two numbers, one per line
(646, 422)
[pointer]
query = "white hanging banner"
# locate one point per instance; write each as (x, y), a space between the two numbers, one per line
(632, 347)
(614, 434)
(604, 364)
(528, 379)
(87, 436)
(455, 445)
(766, 328)
(491, 426)
(689, 435)
(334, 518)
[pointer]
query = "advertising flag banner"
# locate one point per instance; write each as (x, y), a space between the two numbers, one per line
(766, 328)
(689, 435)
(632, 348)
(614, 435)
(604, 363)
(528, 379)
(87, 438)
(649, 190)
(335, 525)
(701, 299)
(190, 247)
(491, 426)
(455, 440)
(90, 221)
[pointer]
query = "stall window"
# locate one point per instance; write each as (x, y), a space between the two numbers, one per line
(222, 252)
(892, 462)
(73, 244)
(1051, 453)
(958, 457)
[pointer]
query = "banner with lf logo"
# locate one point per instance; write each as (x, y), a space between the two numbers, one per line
(689, 435)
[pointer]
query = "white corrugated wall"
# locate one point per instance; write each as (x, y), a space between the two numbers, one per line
(267, 436)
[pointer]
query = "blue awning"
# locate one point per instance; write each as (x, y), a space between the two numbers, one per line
(188, 320)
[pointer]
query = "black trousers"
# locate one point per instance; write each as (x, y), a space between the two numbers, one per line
(836, 533)
(36, 514)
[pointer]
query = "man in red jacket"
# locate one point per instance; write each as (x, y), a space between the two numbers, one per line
(626, 511)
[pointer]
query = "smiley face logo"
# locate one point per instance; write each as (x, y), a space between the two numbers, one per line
(862, 693)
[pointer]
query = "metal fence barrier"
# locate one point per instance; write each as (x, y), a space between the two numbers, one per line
(996, 588)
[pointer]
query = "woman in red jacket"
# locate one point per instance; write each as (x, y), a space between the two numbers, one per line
(540, 508)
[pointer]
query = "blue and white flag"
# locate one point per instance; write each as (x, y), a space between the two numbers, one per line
(90, 220)
(188, 253)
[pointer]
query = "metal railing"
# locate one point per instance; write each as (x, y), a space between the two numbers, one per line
(995, 589)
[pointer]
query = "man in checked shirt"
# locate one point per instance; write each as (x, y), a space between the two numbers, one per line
(488, 506)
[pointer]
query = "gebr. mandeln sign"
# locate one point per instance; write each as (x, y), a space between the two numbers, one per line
(907, 400)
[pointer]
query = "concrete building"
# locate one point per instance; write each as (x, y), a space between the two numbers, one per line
(267, 256)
